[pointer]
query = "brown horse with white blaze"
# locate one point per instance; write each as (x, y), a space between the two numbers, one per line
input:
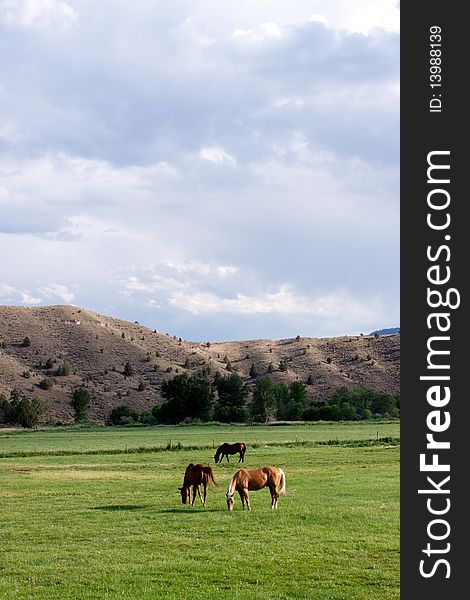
(195, 476)
(256, 479)
(226, 449)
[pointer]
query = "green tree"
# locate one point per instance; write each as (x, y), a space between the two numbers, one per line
(123, 415)
(281, 394)
(5, 410)
(27, 412)
(263, 405)
(253, 371)
(231, 403)
(81, 403)
(185, 397)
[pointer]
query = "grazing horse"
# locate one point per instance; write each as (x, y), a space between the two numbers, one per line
(256, 479)
(194, 476)
(226, 449)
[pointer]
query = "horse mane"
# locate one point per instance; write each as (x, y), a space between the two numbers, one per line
(231, 486)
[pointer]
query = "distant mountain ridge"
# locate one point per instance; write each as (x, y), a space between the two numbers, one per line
(389, 331)
(79, 347)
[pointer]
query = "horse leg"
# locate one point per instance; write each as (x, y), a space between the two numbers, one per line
(226, 456)
(274, 496)
(194, 495)
(199, 494)
(247, 498)
(205, 494)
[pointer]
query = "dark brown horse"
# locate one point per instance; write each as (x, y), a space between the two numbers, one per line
(226, 449)
(256, 479)
(195, 476)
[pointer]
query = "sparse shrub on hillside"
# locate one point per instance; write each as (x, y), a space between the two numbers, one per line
(208, 344)
(297, 337)
(46, 383)
(270, 367)
(310, 379)
(128, 370)
(187, 363)
(63, 370)
(253, 371)
(123, 335)
(328, 360)
(49, 363)
(26, 342)
(157, 354)
(229, 366)
(141, 387)
(26, 374)
(3, 344)
(81, 403)
(283, 365)
(169, 369)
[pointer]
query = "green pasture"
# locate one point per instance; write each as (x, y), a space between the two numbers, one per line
(112, 526)
(121, 438)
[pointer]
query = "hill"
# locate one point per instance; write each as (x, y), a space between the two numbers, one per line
(92, 350)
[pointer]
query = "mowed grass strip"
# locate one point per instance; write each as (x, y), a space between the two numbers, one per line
(113, 526)
(122, 439)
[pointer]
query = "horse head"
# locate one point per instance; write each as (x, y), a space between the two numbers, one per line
(185, 494)
(230, 501)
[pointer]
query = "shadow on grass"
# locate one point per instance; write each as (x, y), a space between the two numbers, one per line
(114, 507)
(187, 511)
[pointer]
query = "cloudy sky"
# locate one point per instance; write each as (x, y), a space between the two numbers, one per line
(213, 169)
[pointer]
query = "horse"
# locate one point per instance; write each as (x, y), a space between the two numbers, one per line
(226, 449)
(194, 476)
(256, 479)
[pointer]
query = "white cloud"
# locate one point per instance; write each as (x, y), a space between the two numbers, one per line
(283, 302)
(27, 298)
(180, 167)
(57, 290)
(217, 155)
(265, 31)
(36, 13)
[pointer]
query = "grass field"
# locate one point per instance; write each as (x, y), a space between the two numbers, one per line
(112, 525)
(119, 438)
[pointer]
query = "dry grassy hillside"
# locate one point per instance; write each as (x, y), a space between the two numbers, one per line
(95, 348)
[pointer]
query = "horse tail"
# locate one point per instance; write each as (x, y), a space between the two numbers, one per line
(282, 488)
(210, 476)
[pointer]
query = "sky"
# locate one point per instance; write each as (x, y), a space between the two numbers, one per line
(212, 169)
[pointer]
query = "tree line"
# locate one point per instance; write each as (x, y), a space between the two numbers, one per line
(228, 399)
